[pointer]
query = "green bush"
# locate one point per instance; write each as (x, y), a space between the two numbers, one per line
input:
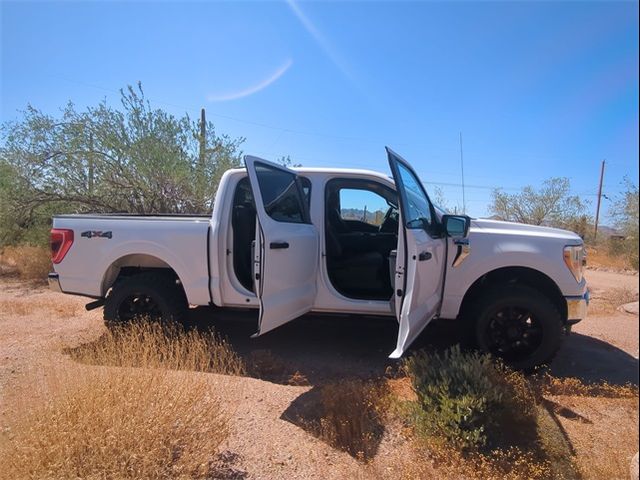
(470, 401)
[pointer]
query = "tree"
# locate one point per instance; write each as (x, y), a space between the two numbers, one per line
(437, 196)
(549, 205)
(286, 161)
(134, 159)
(625, 213)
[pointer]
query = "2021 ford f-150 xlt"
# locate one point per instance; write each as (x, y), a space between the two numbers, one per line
(282, 241)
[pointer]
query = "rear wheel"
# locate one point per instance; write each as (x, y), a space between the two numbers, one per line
(149, 295)
(519, 325)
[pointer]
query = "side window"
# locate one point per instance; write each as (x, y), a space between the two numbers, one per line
(281, 194)
(417, 204)
(363, 205)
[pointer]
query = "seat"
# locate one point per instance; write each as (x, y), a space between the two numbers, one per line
(243, 222)
(356, 275)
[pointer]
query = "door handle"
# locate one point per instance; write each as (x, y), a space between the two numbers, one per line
(424, 256)
(278, 245)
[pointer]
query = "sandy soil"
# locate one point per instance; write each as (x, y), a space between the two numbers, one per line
(266, 440)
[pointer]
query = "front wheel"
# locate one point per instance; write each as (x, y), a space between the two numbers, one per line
(148, 295)
(519, 325)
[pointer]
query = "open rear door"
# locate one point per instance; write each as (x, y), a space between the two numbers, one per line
(286, 254)
(420, 258)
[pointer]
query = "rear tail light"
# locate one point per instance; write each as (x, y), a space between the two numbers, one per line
(61, 241)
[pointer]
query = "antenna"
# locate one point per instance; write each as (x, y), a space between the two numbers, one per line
(464, 203)
(600, 195)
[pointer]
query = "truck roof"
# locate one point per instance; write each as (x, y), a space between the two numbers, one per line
(333, 171)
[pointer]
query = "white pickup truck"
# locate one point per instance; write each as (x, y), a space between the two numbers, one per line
(338, 241)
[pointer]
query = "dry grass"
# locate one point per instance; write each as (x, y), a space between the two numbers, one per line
(30, 305)
(153, 345)
(428, 459)
(28, 262)
(601, 257)
(265, 365)
(351, 416)
(547, 385)
(154, 420)
(609, 300)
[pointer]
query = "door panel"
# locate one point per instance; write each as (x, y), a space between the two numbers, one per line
(287, 245)
(420, 256)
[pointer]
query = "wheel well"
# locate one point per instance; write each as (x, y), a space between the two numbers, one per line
(134, 264)
(522, 275)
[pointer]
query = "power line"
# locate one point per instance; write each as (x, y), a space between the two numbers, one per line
(235, 119)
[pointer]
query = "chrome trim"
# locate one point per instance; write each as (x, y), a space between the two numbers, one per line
(577, 306)
(54, 282)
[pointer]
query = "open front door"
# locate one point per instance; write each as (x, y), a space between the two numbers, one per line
(420, 258)
(286, 254)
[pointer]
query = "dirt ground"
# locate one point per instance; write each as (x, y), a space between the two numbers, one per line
(265, 441)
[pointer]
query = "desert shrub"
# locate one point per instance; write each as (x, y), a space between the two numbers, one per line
(152, 417)
(30, 262)
(469, 401)
(350, 416)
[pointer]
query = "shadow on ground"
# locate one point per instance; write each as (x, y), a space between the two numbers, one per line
(594, 361)
(345, 422)
(318, 348)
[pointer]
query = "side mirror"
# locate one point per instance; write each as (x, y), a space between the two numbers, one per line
(456, 226)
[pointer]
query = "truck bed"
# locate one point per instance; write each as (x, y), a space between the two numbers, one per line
(104, 242)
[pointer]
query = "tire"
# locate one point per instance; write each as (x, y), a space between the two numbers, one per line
(518, 324)
(151, 295)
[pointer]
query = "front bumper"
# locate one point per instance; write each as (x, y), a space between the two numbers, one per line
(54, 282)
(577, 307)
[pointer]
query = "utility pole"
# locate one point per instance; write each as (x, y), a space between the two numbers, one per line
(90, 162)
(595, 232)
(202, 157)
(464, 203)
(203, 139)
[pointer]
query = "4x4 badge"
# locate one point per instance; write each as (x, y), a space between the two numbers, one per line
(96, 233)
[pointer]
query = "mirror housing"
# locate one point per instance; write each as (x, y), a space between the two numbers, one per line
(456, 226)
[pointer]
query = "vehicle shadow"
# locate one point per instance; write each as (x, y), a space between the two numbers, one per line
(315, 349)
(594, 361)
(320, 349)
(324, 348)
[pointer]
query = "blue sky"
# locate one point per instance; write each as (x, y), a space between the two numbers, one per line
(537, 89)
